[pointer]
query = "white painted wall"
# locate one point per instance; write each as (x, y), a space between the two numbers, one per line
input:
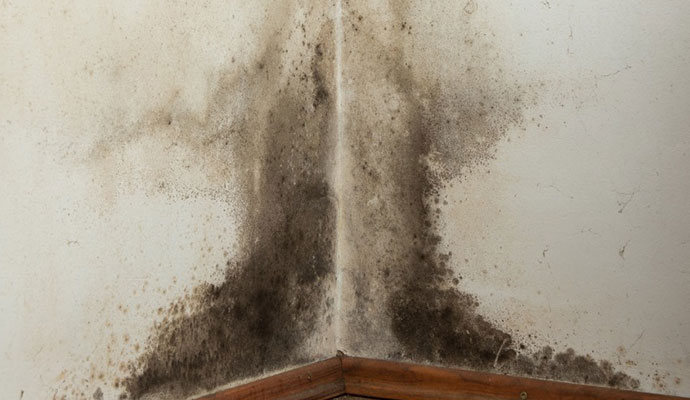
(581, 230)
(583, 223)
(88, 254)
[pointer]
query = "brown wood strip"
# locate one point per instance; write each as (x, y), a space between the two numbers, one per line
(404, 381)
(318, 381)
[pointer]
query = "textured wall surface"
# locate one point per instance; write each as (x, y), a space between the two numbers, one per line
(199, 194)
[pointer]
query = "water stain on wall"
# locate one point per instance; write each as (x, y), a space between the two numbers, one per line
(277, 148)
(418, 133)
(408, 132)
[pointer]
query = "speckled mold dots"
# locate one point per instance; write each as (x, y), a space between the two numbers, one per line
(341, 177)
(410, 132)
(276, 290)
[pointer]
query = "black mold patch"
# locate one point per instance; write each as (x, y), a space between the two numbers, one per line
(408, 132)
(568, 366)
(410, 138)
(274, 295)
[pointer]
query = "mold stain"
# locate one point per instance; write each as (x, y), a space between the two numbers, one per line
(419, 133)
(275, 292)
(408, 134)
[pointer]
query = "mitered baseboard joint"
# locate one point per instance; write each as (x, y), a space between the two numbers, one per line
(344, 375)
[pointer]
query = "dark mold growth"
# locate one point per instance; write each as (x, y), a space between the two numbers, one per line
(408, 133)
(568, 366)
(274, 295)
(410, 140)
(320, 91)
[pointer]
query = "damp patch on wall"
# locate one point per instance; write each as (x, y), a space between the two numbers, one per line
(406, 133)
(268, 131)
(410, 132)
(331, 135)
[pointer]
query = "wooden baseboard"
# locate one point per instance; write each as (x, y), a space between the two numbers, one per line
(405, 381)
(318, 381)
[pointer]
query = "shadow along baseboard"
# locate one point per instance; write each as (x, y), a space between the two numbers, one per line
(343, 375)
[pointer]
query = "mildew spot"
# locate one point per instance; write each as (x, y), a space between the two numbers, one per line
(276, 287)
(408, 133)
(416, 133)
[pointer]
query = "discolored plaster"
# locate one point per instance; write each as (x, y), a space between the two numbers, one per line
(267, 130)
(278, 285)
(406, 133)
(410, 132)
(339, 174)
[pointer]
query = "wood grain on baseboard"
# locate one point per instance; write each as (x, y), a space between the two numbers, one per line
(382, 379)
(317, 381)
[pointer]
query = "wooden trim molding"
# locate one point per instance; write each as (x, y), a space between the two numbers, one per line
(405, 381)
(318, 381)
(397, 380)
